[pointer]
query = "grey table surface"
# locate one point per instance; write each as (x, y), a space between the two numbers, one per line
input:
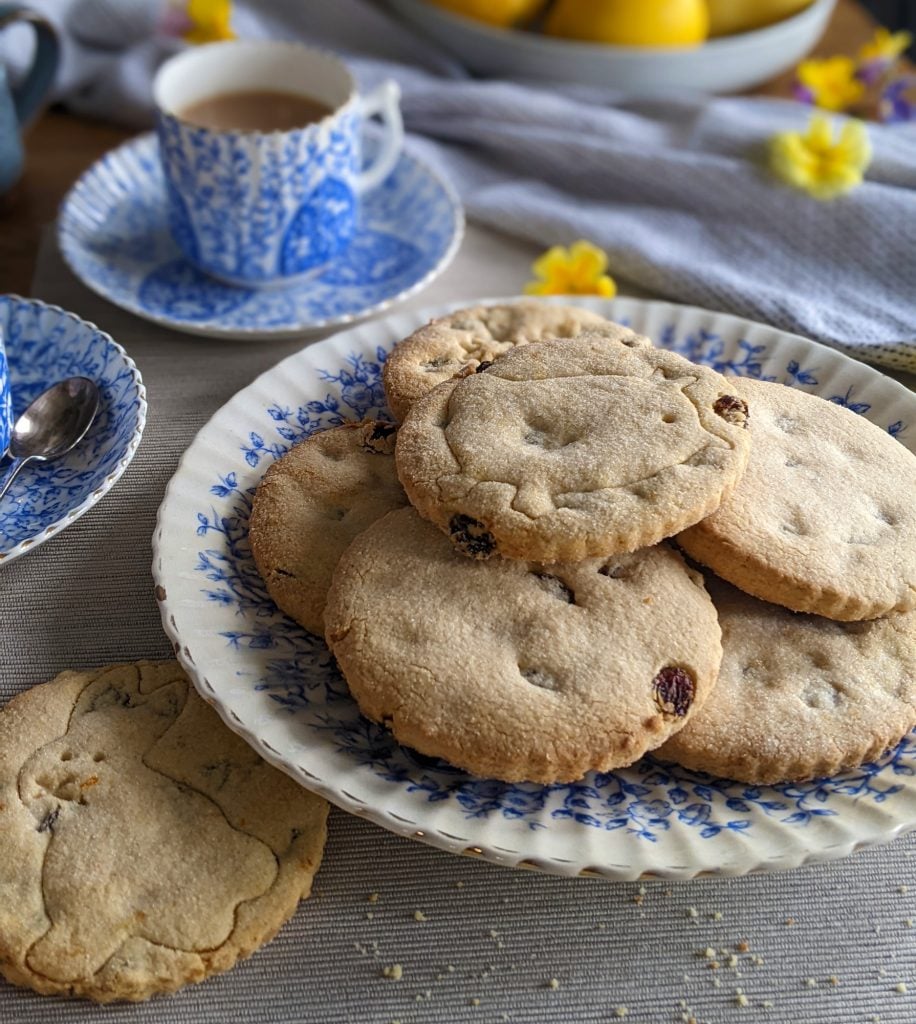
(829, 943)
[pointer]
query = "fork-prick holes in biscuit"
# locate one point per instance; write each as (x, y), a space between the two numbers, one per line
(820, 660)
(98, 756)
(795, 524)
(431, 365)
(669, 417)
(66, 756)
(547, 436)
(822, 698)
(614, 571)
(555, 587)
(539, 678)
(673, 689)
(471, 537)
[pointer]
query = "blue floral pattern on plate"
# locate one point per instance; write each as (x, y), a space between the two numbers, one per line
(295, 673)
(44, 344)
(114, 234)
(6, 406)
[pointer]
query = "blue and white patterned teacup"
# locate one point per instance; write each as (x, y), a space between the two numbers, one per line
(260, 209)
(6, 408)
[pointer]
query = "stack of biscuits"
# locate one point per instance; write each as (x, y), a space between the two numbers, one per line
(574, 548)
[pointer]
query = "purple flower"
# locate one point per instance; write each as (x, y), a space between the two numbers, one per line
(898, 101)
(872, 71)
(802, 93)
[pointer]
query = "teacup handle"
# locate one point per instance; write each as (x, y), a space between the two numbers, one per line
(383, 101)
(32, 93)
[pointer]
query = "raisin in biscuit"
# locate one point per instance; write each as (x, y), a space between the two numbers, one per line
(516, 670)
(823, 520)
(563, 450)
(468, 337)
(799, 696)
(311, 503)
(145, 845)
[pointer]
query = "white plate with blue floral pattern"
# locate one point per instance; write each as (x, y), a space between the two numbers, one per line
(45, 344)
(277, 685)
(113, 232)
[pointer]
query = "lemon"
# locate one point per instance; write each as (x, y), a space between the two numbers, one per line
(494, 12)
(631, 22)
(727, 17)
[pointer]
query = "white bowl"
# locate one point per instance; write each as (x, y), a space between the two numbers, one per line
(726, 64)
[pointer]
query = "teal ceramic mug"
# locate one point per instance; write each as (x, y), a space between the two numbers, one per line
(20, 104)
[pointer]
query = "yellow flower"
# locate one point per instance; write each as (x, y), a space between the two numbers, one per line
(209, 21)
(822, 166)
(578, 270)
(885, 47)
(830, 83)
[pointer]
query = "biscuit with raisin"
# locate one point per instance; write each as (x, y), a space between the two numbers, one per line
(823, 521)
(518, 670)
(571, 449)
(311, 503)
(799, 696)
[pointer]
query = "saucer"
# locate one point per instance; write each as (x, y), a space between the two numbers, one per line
(45, 344)
(113, 233)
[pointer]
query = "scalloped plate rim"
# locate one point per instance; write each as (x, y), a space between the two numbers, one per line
(68, 247)
(796, 854)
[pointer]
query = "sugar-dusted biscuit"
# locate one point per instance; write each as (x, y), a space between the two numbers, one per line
(515, 670)
(563, 450)
(799, 696)
(468, 337)
(145, 845)
(823, 520)
(311, 503)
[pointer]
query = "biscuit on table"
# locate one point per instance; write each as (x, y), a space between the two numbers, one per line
(824, 519)
(446, 346)
(563, 450)
(799, 696)
(145, 845)
(311, 503)
(515, 670)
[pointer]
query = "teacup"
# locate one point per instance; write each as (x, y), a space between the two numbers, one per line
(265, 208)
(18, 106)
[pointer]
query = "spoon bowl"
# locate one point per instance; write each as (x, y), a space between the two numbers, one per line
(53, 424)
(57, 420)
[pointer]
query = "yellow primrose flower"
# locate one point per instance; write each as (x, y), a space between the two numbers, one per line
(830, 83)
(822, 166)
(209, 21)
(885, 47)
(578, 270)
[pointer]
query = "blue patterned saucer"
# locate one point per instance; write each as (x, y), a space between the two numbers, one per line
(44, 344)
(278, 686)
(113, 233)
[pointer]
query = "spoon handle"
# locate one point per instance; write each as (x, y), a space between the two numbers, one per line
(13, 473)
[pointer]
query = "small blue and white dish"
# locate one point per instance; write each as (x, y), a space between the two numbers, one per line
(114, 233)
(45, 344)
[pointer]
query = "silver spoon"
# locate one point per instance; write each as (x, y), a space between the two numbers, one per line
(53, 424)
